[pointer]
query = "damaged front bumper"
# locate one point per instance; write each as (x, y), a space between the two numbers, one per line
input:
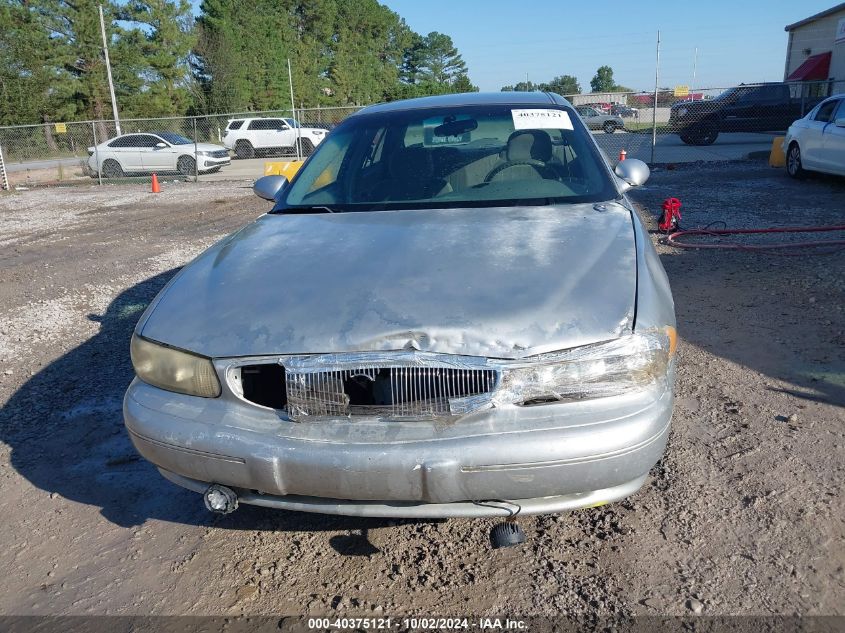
(542, 458)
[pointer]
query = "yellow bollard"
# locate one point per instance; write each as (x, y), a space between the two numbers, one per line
(776, 157)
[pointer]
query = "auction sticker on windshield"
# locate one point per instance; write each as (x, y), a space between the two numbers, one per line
(541, 119)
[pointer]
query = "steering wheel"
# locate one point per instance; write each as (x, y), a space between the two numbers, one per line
(538, 165)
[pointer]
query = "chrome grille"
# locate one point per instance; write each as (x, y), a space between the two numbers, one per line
(393, 391)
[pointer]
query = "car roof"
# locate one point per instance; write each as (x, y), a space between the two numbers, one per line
(512, 98)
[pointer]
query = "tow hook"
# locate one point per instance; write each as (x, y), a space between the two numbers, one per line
(220, 499)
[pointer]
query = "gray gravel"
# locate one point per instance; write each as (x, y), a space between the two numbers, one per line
(744, 515)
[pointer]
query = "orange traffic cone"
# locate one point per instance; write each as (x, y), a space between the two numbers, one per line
(156, 188)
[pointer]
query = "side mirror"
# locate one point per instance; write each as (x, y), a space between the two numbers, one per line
(632, 172)
(840, 122)
(284, 126)
(268, 187)
(161, 145)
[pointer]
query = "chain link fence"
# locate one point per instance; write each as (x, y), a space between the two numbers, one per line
(208, 147)
(713, 124)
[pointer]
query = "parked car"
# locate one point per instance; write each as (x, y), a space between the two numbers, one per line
(601, 107)
(159, 152)
(597, 121)
(472, 321)
(620, 109)
(254, 136)
(816, 142)
(759, 108)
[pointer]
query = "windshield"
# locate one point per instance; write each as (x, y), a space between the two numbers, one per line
(292, 122)
(175, 139)
(490, 155)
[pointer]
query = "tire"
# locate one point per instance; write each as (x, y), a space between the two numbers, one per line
(686, 138)
(609, 127)
(306, 147)
(793, 161)
(111, 169)
(707, 134)
(186, 165)
(244, 150)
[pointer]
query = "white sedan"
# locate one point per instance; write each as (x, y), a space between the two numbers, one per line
(155, 152)
(816, 142)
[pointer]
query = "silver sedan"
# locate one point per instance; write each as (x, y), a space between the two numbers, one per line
(451, 310)
(596, 120)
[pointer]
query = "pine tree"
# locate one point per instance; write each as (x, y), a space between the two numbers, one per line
(152, 57)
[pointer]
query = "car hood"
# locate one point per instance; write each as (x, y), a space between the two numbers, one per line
(497, 282)
(209, 147)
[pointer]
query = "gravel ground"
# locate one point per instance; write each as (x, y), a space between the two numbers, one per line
(744, 515)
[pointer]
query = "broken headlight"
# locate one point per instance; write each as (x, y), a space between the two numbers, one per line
(629, 363)
(173, 369)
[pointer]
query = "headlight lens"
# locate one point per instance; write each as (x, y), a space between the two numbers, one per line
(682, 111)
(629, 363)
(318, 132)
(173, 370)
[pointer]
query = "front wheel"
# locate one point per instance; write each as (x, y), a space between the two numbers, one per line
(111, 169)
(793, 162)
(609, 127)
(186, 165)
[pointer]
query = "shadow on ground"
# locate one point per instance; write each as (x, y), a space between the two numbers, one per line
(65, 429)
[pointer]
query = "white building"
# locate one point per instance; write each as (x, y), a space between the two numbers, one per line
(816, 52)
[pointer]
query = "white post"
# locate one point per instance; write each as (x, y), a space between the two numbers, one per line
(654, 109)
(108, 72)
(293, 114)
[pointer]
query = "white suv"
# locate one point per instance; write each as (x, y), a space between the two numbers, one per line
(249, 137)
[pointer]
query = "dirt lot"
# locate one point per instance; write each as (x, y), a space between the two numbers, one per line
(744, 515)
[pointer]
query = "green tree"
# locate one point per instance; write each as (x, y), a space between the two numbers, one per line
(562, 85)
(603, 80)
(526, 86)
(434, 59)
(28, 88)
(463, 84)
(368, 51)
(151, 57)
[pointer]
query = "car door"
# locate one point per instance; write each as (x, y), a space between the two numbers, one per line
(130, 152)
(268, 133)
(832, 155)
(739, 114)
(810, 141)
(153, 157)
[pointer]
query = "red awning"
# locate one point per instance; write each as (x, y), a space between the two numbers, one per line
(815, 67)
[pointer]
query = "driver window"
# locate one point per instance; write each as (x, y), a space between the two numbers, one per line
(825, 113)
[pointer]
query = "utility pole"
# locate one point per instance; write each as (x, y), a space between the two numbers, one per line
(654, 109)
(694, 66)
(108, 72)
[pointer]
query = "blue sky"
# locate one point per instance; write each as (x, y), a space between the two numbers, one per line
(501, 41)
